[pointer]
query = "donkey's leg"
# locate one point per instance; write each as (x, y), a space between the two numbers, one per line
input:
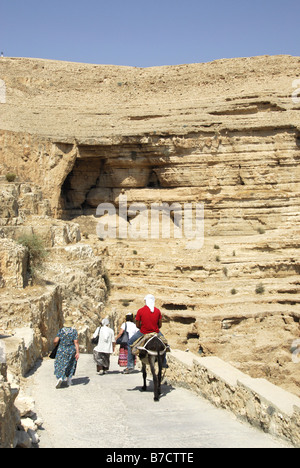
(144, 368)
(155, 379)
(160, 362)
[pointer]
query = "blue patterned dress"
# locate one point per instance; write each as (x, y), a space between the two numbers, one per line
(65, 362)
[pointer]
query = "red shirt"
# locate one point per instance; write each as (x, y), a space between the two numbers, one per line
(149, 321)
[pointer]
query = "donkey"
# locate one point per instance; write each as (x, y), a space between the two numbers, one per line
(153, 351)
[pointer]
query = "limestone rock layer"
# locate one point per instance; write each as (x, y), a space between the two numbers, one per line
(214, 131)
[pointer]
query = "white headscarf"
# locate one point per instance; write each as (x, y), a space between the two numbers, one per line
(105, 334)
(150, 302)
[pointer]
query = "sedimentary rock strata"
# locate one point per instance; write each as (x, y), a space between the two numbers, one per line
(88, 131)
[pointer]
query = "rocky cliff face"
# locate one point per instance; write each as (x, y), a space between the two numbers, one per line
(225, 134)
(34, 303)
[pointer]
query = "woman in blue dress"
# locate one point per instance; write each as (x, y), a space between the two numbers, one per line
(67, 353)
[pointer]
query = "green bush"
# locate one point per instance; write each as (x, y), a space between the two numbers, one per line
(260, 289)
(11, 177)
(36, 250)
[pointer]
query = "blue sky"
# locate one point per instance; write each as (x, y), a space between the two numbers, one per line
(148, 33)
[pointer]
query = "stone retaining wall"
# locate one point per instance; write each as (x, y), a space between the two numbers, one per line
(257, 401)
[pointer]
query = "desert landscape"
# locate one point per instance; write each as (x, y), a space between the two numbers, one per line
(225, 134)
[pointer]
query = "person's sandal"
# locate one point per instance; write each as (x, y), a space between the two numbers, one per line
(59, 383)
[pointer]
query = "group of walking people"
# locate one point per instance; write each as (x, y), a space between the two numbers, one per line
(148, 320)
(106, 343)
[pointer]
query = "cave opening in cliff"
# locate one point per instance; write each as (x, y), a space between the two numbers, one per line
(153, 181)
(101, 173)
(78, 183)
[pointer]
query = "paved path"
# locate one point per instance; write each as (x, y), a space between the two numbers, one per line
(110, 411)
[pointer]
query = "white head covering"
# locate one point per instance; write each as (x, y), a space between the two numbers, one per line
(105, 322)
(104, 334)
(150, 302)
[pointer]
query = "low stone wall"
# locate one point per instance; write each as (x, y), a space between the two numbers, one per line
(257, 401)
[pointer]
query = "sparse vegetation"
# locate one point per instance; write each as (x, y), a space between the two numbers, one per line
(36, 250)
(260, 289)
(107, 282)
(11, 177)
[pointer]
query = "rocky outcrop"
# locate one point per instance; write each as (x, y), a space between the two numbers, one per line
(70, 278)
(13, 264)
(69, 282)
(8, 412)
(18, 420)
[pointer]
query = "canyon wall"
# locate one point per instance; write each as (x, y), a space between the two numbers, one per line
(225, 133)
(36, 298)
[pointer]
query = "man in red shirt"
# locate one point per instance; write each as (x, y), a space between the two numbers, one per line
(148, 320)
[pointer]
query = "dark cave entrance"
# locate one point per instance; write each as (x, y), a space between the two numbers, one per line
(101, 173)
(153, 180)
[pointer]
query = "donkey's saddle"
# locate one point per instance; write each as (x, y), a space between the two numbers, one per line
(141, 344)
